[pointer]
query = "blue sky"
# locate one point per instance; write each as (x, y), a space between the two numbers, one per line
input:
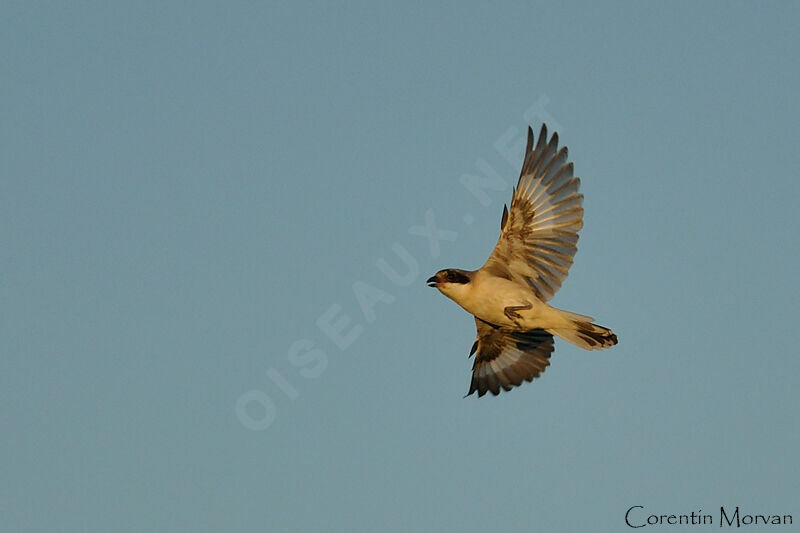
(195, 198)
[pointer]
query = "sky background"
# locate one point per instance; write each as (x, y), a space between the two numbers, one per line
(188, 190)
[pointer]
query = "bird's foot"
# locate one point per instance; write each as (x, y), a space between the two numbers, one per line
(513, 315)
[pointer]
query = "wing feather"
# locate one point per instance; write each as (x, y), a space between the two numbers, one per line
(507, 358)
(539, 231)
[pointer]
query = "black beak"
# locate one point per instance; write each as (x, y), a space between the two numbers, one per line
(431, 281)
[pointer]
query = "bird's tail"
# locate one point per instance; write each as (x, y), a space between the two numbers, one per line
(583, 333)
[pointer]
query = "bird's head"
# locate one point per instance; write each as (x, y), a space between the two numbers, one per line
(450, 280)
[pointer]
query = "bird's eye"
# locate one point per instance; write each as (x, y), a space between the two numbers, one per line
(451, 277)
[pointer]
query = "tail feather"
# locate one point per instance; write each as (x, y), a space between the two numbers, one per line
(586, 335)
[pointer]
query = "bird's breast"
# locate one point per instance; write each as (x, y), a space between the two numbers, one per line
(490, 296)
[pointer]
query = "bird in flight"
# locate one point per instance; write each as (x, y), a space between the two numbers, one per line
(508, 295)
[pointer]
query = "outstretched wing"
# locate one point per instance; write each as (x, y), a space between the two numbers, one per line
(539, 234)
(505, 358)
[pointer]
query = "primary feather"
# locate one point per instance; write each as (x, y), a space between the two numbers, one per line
(539, 233)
